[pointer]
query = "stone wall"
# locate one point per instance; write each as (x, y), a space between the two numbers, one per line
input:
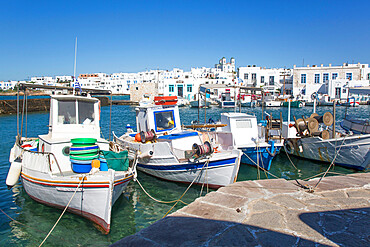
(138, 90)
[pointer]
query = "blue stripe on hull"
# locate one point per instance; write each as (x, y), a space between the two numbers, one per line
(264, 163)
(189, 166)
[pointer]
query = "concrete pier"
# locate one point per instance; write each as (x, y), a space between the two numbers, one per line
(273, 212)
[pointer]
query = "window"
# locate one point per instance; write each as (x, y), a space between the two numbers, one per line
(245, 76)
(262, 79)
(242, 124)
(164, 120)
(271, 80)
(334, 76)
(86, 113)
(67, 112)
(189, 88)
(303, 78)
(368, 76)
(171, 88)
(325, 77)
(317, 78)
(349, 76)
(344, 90)
(254, 77)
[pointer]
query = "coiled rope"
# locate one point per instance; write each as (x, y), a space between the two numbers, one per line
(65, 209)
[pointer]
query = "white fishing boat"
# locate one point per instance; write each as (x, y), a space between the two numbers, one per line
(169, 152)
(258, 142)
(66, 163)
(225, 101)
(315, 138)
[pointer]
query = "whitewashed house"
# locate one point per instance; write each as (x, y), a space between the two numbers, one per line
(331, 80)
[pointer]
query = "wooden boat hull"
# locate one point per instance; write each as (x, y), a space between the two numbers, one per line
(353, 151)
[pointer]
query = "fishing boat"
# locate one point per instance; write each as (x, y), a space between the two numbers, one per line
(72, 166)
(294, 104)
(225, 100)
(168, 151)
(316, 138)
(357, 126)
(259, 142)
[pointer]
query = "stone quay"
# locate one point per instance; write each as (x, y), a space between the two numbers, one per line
(273, 212)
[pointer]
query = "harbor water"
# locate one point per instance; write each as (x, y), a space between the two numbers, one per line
(134, 210)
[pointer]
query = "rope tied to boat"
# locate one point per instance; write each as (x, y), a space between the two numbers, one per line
(331, 164)
(200, 172)
(65, 209)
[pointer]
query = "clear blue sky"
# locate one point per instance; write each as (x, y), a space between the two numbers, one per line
(37, 37)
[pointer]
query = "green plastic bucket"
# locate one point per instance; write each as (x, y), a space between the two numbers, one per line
(83, 141)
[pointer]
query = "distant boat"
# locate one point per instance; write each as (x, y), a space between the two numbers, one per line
(293, 104)
(225, 101)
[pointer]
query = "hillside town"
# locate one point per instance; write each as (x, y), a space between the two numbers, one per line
(329, 80)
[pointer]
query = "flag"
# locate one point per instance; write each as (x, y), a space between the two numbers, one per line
(77, 85)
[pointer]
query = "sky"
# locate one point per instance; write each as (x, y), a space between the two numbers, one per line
(37, 38)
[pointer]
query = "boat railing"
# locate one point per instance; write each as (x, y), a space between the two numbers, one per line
(50, 157)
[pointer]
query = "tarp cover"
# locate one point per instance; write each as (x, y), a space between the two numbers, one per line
(117, 161)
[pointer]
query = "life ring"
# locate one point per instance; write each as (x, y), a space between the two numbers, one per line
(289, 147)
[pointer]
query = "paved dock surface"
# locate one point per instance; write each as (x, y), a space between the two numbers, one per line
(273, 212)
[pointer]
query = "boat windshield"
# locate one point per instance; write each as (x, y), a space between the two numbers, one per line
(66, 112)
(164, 120)
(86, 112)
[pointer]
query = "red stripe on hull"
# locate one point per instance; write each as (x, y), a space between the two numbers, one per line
(66, 185)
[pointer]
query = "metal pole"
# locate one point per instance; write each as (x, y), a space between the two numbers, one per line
(198, 104)
(74, 70)
(18, 111)
(334, 135)
(314, 105)
(205, 107)
(289, 114)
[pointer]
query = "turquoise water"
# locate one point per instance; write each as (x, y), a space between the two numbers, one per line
(134, 210)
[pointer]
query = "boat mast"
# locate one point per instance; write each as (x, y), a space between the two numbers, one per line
(74, 70)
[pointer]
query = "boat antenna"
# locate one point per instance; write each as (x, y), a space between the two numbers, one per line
(74, 70)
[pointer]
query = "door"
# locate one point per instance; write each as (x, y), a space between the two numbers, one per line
(180, 90)
(337, 92)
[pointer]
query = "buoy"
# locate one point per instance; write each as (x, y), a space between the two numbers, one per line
(138, 137)
(95, 164)
(13, 173)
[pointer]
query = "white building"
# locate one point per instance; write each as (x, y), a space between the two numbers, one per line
(6, 85)
(44, 80)
(332, 80)
(279, 78)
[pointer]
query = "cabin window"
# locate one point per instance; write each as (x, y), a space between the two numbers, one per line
(67, 112)
(86, 112)
(164, 120)
(243, 124)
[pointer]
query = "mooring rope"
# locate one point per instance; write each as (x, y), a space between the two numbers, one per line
(291, 162)
(331, 164)
(151, 197)
(200, 172)
(65, 209)
(258, 166)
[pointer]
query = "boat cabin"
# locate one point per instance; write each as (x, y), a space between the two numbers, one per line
(160, 118)
(243, 127)
(71, 117)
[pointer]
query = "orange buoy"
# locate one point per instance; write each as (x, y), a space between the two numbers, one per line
(138, 137)
(95, 163)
